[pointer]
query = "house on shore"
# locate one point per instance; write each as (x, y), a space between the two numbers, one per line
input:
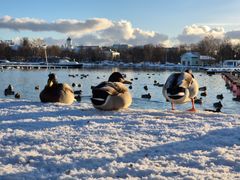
(231, 63)
(195, 59)
(111, 55)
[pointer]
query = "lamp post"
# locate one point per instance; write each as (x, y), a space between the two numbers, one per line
(45, 53)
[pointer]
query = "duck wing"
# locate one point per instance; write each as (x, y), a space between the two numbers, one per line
(65, 87)
(174, 80)
(112, 88)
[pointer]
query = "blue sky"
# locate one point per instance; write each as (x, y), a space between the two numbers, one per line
(165, 17)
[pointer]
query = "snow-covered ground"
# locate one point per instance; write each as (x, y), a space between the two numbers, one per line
(54, 141)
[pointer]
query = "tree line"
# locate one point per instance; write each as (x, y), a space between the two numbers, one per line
(35, 51)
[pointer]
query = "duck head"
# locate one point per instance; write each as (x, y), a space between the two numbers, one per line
(51, 80)
(117, 77)
(178, 86)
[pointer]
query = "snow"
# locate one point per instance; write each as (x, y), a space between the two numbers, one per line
(55, 141)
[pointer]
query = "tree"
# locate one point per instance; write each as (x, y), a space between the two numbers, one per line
(209, 46)
(226, 50)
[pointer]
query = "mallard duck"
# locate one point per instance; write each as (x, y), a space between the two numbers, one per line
(220, 96)
(180, 88)
(56, 92)
(204, 88)
(17, 96)
(112, 94)
(218, 104)
(146, 96)
(9, 90)
(198, 101)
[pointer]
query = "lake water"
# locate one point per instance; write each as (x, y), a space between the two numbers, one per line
(24, 82)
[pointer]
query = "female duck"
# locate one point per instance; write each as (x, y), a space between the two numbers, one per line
(180, 88)
(112, 94)
(56, 92)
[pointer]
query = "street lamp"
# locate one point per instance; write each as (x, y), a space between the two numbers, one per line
(45, 53)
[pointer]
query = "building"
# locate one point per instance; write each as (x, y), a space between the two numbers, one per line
(110, 54)
(195, 59)
(231, 63)
(69, 43)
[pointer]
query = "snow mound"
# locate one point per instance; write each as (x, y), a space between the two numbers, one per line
(42, 141)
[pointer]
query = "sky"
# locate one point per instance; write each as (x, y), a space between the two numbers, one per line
(105, 22)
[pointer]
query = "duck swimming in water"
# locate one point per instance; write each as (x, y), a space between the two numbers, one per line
(56, 92)
(9, 90)
(112, 94)
(181, 88)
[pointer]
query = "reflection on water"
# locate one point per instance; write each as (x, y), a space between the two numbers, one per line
(24, 82)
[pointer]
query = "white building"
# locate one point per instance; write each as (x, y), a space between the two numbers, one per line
(69, 43)
(190, 59)
(110, 54)
(195, 59)
(231, 63)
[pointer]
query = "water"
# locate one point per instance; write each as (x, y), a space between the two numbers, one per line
(24, 82)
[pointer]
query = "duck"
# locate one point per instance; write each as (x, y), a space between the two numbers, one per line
(112, 94)
(147, 96)
(220, 96)
(204, 88)
(218, 104)
(78, 98)
(146, 88)
(56, 92)
(198, 101)
(17, 96)
(203, 94)
(181, 88)
(9, 90)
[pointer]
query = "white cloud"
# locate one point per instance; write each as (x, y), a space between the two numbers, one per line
(71, 27)
(195, 33)
(102, 31)
(92, 31)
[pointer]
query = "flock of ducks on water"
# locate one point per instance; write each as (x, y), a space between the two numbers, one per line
(113, 94)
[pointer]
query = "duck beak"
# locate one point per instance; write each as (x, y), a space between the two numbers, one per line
(50, 83)
(124, 81)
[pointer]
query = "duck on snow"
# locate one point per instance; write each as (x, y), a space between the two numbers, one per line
(181, 88)
(56, 92)
(112, 94)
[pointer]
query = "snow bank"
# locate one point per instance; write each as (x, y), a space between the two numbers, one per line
(60, 142)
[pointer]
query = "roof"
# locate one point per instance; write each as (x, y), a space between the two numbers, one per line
(191, 54)
(206, 58)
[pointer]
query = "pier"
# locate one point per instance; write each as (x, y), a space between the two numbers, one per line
(39, 66)
(232, 81)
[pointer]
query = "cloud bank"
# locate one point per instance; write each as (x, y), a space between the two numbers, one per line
(92, 31)
(195, 33)
(69, 26)
(102, 31)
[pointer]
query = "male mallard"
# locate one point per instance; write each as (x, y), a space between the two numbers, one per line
(112, 94)
(180, 88)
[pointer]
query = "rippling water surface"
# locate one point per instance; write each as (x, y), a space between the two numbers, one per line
(24, 82)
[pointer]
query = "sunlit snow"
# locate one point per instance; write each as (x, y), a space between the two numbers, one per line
(39, 141)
